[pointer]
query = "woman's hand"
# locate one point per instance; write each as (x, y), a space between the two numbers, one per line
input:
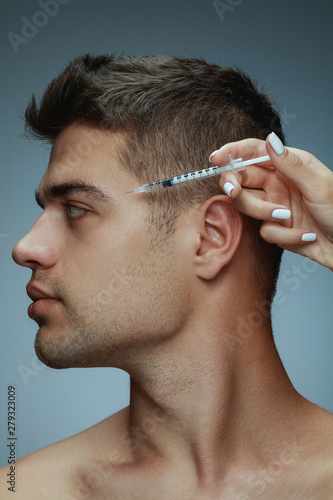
(292, 193)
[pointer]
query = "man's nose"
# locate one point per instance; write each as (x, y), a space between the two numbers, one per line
(35, 249)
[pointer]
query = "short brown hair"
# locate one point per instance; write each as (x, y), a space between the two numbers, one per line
(173, 112)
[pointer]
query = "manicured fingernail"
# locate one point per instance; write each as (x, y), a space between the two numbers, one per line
(276, 143)
(213, 153)
(309, 237)
(281, 213)
(228, 187)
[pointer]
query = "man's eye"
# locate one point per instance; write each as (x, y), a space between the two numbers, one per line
(75, 213)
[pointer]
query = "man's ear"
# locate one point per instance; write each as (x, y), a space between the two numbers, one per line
(220, 230)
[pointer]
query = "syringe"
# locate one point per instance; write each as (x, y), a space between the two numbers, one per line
(234, 165)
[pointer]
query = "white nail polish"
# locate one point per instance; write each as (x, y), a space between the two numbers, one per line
(281, 213)
(309, 237)
(227, 188)
(213, 153)
(276, 143)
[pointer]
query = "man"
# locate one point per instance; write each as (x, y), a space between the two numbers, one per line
(174, 287)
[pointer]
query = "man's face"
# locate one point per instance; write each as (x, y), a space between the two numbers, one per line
(120, 288)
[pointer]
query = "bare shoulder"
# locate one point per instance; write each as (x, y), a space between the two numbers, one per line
(304, 468)
(318, 470)
(51, 472)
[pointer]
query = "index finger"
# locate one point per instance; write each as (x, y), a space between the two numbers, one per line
(246, 149)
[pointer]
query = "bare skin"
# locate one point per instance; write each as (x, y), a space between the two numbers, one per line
(213, 414)
(295, 178)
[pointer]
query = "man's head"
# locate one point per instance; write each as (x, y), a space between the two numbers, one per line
(117, 123)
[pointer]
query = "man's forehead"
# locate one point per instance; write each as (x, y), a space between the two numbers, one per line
(78, 142)
(62, 172)
(89, 155)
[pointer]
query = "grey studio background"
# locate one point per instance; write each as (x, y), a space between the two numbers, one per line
(285, 45)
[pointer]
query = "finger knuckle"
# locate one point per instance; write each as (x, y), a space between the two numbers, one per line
(297, 162)
(309, 158)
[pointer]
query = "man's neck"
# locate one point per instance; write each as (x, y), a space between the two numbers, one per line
(211, 400)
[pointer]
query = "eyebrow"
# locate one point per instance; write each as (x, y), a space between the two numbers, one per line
(56, 191)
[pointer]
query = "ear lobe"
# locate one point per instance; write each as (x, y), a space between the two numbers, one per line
(219, 237)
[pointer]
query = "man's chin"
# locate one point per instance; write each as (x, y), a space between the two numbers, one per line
(50, 361)
(57, 351)
(51, 352)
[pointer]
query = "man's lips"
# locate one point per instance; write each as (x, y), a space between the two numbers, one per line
(36, 294)
(42, 301)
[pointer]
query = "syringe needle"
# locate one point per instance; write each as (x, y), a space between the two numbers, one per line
(233, 165)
